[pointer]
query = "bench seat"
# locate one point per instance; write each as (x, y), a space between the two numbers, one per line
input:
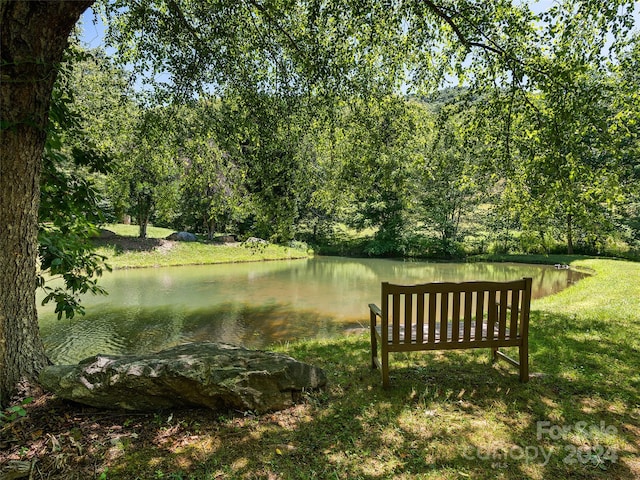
(449, 338)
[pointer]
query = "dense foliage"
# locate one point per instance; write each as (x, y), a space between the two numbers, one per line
(415, 176)
(535, 153)
(70, 200)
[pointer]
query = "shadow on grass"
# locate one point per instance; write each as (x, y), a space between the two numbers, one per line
(593, 357)
(130, 244)
(447, 415)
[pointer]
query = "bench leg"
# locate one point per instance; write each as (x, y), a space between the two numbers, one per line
(385, 368)
(494, 354)
(374, 354)
(524, 363)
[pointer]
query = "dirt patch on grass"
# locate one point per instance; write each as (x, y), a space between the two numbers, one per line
(134, 244)
(165, 246)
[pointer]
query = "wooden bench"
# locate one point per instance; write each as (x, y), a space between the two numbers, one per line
(447, 316)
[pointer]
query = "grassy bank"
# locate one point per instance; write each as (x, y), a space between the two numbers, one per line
(125, 250)
(447, 416)
(551, 259)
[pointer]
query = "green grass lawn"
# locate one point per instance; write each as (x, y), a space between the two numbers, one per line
(196, 254)
(447, 416)
(127, 251)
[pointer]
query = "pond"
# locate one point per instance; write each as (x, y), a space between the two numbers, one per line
(252, 304)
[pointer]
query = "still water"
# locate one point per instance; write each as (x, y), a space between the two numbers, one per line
(252, 304)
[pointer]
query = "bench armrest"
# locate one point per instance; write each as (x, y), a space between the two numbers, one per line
(375, 309)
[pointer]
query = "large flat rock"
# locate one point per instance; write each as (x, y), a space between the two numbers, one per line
(212, 375)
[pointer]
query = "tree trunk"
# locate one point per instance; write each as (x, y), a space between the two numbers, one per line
(211, 229)
(142, 227)
(33, 38)
(144, 208)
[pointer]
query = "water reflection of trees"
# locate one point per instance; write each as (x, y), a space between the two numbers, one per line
(137, 331)
(255, 305)
(547, 280)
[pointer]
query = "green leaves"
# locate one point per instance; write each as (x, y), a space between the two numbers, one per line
(70, 202)
(211, 188)
(14, 412)
(312, 125)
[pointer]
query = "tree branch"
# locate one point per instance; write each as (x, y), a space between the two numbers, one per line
(275, 24)
(448, 19)
(177, 11)
(495, 48)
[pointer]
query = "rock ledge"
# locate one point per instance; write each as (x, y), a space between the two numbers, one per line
(213, 375)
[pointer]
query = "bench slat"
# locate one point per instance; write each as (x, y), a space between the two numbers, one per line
(396, 318)
(468, 304)
(492, 311)
(408, 315)
(455, 317)
(431, 331)
(444, 313)
(503, 302)
(479, 314)
(420, 319)
(516, 296)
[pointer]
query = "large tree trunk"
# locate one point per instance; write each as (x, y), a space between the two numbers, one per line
(33, 38)
(144, 212)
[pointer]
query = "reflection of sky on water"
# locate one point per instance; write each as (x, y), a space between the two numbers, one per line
(252, 304)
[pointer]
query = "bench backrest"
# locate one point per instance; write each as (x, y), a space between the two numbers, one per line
(456, 314)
